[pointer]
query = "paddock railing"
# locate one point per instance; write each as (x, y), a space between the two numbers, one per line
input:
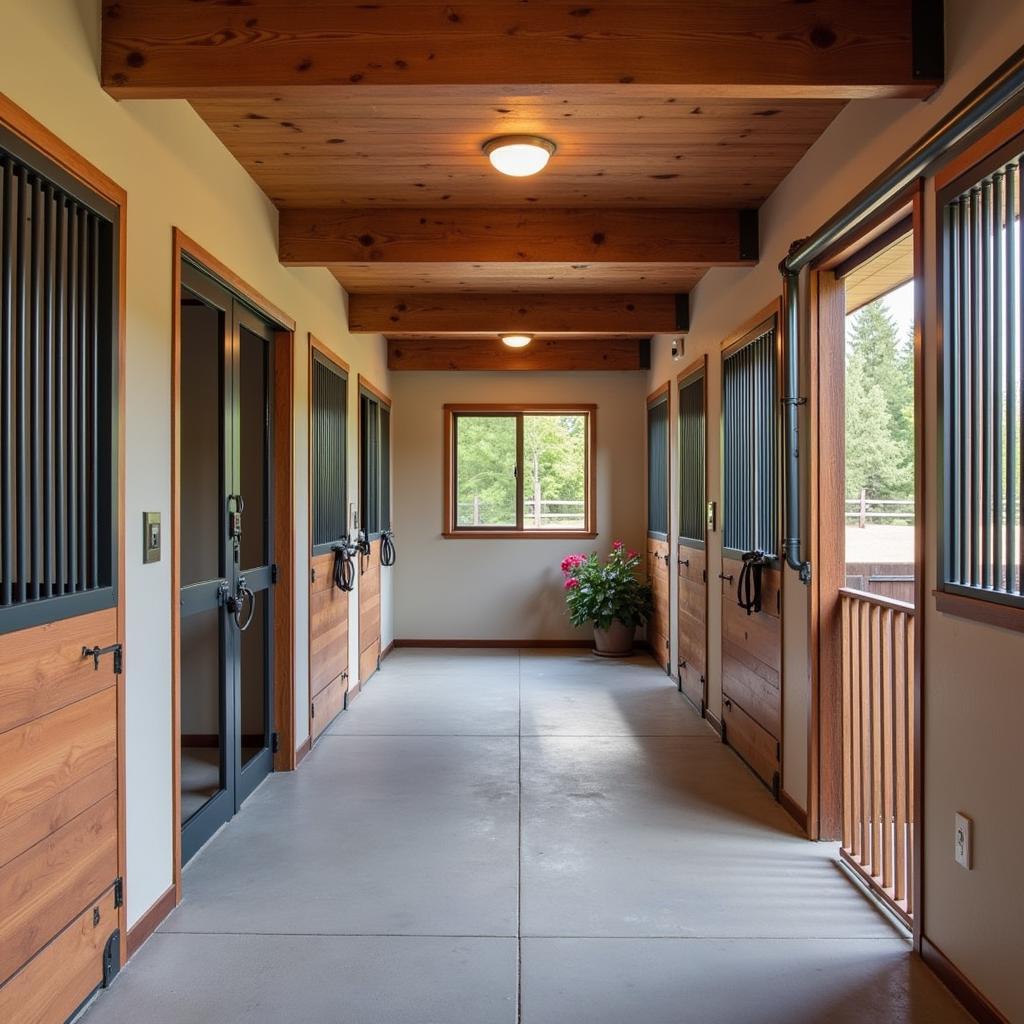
(878, 744)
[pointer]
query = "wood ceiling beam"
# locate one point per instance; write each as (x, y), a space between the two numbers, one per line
(511, 235)
(773, 48)
(484, 313)
(544, 354)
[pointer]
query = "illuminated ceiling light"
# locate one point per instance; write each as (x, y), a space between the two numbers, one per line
(516, 340)
(519, 155)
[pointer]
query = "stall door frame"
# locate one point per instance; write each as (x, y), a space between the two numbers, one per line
(689, 375)
(282, 514)
(35, 994)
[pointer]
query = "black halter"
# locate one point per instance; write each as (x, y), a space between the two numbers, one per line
(344, 568)
(748, 588)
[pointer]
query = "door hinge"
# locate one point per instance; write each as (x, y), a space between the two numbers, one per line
(312, 575)
(111, 958)
(312, 710)
(275, 743)
(118, 892)
(97, 652)
(273, 573)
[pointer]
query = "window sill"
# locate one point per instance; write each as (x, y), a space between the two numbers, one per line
(979, 610)
(519, 534)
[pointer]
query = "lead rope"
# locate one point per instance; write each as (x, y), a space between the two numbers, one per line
(387, 548)
(748, 587)
(344, 568)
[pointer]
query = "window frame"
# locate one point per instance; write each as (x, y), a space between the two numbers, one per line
(380, 401)
(661, 396)
(696, 373)
(767, 321)
(318, 352)
(452, 531)
(977, 603)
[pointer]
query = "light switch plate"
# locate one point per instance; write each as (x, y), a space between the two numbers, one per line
(712, 516)
(962, 840)
(150, 537)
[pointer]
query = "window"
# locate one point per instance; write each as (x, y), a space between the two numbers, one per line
(58, 387)
(750, 436)
(522, 471)
(983, 378)
(329, 452)
(657, 465)
(374, 461)
(691, 458)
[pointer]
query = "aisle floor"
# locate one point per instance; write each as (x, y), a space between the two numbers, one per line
(496, 836)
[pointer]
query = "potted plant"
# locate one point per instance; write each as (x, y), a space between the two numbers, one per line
(610, 596)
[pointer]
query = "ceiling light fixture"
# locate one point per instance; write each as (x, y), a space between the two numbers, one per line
(519, 155)
(516, 340)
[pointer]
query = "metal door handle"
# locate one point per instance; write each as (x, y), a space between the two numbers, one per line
(685, 561)
(97, 652)
(725, 576)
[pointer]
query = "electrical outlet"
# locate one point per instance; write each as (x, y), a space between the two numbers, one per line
(962, 841)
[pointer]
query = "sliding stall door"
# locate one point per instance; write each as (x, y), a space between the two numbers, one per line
(60, 695)
(658, 555)
(752, 641)
(691, 613)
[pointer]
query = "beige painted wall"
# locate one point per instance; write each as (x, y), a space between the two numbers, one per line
(504, 589)
(974, 685)
(176, 173)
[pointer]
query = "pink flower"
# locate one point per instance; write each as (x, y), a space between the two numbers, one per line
(571, 583)
(631, 554)
(571, 562)
(617, 545)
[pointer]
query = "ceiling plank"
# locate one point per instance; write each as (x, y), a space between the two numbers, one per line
(773, 48)
(507, 235)
(480, 312)
(543, 354)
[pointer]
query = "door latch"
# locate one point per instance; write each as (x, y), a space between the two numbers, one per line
(97, 652)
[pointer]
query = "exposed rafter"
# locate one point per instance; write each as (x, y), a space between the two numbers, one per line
(550, 353)
(826, 49)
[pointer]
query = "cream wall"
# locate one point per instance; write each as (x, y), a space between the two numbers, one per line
(504, 589)
(176, 173)
(973, 685)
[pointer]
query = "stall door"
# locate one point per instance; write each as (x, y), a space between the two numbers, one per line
(375, 508)
(226, 596)
(60, 660)
(332, 560)
(658, 556)
(751, 601)
(691, 558)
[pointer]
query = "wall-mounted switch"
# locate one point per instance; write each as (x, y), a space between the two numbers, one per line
(962, 841)
(712, 516)
(150, 537)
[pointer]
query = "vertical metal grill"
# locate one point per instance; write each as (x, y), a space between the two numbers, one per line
(657, 468)
(751, 444)
(369, 418)
(691, 459)
(385, 468)
(983, 382)
(330, 462)
(57, 372)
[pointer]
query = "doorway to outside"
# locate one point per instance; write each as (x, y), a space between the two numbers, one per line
(226, 596)
(869, 554)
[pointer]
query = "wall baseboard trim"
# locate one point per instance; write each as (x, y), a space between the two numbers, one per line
(714, 721)
(303, 750)
(149, 922)
(973, 1001)
(794, 810)
(506, 644)
(387, 650)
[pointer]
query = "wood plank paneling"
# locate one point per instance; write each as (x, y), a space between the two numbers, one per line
(49, 988)
(657, 626)
(161, 48)
(542, 354)
(47, 886)
(756, 746)
(753, 685)
(43, 668)
(369, 612)
(326, 706)
(328, 610)
(338, 235)
(489, 313)
(691, 623)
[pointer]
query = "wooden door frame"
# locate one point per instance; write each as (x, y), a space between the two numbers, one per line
(316, 345)
(283, 399)
(826, 451)
(35, 134)
(700, 365)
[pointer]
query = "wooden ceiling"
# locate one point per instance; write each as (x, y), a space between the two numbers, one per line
(674, 121)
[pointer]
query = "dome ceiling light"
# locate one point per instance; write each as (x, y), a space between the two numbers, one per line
(516, 340)
(519, 156)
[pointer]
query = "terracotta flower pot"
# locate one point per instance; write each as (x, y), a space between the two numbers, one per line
(614, 642)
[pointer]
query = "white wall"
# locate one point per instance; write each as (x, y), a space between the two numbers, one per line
(176, 173)
(973, 686)
(504, 589)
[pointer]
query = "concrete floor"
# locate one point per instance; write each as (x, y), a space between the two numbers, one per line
(537, 836)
